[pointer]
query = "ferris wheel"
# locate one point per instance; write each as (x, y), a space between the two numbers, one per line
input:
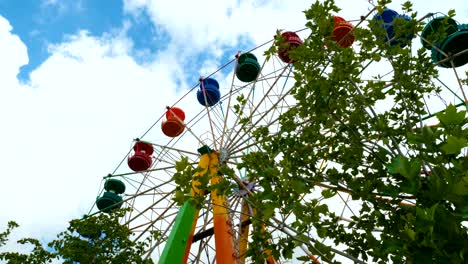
(182, 179)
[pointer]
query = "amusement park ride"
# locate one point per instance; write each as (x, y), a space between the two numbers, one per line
(217, 231)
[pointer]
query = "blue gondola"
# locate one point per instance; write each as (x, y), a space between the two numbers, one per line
(208, 94)
(386, 20)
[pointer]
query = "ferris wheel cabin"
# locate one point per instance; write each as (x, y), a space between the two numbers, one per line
(111, 199)
(141, 158)
(208, 94)
(174, 123)
(247, 67)
(446, 39)
(387, 20)
(342, 32)
(291, 41)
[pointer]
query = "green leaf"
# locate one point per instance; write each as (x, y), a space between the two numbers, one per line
(409, 169)
(303, 258)
(426, 214)
(268, 211)
(321, 232)
(410, 232)
(415, 138)
(299, 186)
(451, 13)
(451, 117)
(182, 164)
(328, 193)
(464, 213)
(453, 145)
(461, 187)
(179, 197)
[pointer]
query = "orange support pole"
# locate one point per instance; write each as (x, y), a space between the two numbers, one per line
(224, 244)
(313, 258)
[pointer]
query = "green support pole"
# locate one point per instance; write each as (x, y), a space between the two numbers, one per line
(174, 250)
(178, 244)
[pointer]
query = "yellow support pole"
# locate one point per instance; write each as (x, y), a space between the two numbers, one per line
(204, 163)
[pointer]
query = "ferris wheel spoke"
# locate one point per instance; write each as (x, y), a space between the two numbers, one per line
(270, 91)
(278, 94)
(211, 124)
(177, 150)
(233, 142)
(234, 149)
(161, 214)
(150, 224)
(247, 147)
(210, 252)
(151, 179)
(134, 183)
(243, 131)
(142, 184)
(148, 208)
(132, 198)
(253, 109)
(231, 94)
(203, 237)
(229, 101)
(214, 124)
(293, 234)
(202, 243)
(163, 235)
(277, 229)
(219, 118)
(150, 171)
(290, 232)
(169, 156)
(346, 205)
(206, 248)
(459, 81)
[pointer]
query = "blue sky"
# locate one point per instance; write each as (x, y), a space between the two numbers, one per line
(41, 23)
(80, 79)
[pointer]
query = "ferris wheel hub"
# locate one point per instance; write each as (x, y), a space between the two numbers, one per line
(223, 155)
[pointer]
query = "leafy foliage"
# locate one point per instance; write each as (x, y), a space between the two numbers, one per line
(4, 235)
(410, 178)
(94, 239)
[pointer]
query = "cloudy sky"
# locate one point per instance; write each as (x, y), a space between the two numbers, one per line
(79, 79)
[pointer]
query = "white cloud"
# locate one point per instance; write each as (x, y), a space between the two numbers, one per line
(74, 122)
(209, 26)
(63, 6)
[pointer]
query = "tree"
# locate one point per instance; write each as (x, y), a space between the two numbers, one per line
(38, 254)
(381, 157)
(93, 239)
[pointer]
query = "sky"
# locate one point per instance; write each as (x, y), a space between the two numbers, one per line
(80, 79)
